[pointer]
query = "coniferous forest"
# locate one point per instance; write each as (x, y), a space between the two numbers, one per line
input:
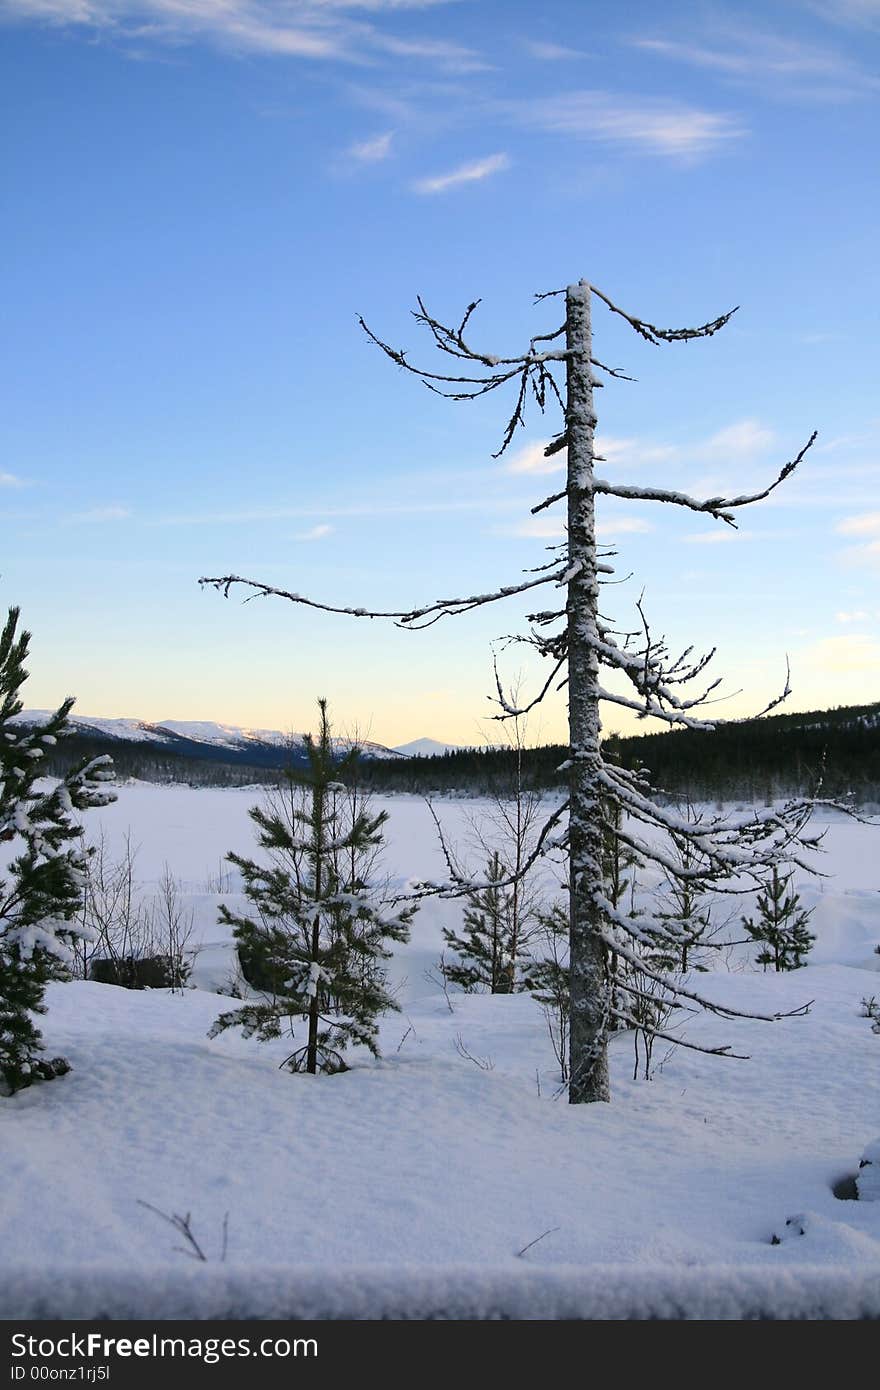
(837, 750)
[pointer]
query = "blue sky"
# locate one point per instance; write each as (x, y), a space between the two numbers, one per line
(200, 197)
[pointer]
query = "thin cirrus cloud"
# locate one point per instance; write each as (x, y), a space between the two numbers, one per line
(781, 66)
(670, 129)
(742, 441)
(551, 52)
(372, 151)
(355, 509)
(857, 13)
(852, 651)
(11, 480)
(864, 530)
(553, 528)
(866, 524)
(531, 459)
(308, 29)
(720, 537)
(102, 514)
(315, 533)
(473, 172)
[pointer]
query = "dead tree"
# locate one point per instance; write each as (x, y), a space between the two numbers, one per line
(559, 368)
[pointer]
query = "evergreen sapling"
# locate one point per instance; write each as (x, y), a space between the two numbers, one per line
(780, 924)
(42, 887)
(318, 934)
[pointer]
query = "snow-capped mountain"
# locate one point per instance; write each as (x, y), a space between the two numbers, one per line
(426, 748)
(207, 733)
(204, 733)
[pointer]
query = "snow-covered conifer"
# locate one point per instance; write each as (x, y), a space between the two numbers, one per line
(501, 916)
(487, 956)
(41, 888)
(319, 931)
(780, 924)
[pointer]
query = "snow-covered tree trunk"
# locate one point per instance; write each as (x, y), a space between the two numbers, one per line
(721, 850)
(587, 969)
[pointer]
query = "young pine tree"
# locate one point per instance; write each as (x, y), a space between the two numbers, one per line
(487, 951)
(41, 888)
(501, 916)
(780, 924)
(318, 931)
(549, 983)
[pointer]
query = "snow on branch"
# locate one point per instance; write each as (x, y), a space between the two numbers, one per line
(412, 619)
(652, 334)
(458, 885)
(680, 991)
(718, 507)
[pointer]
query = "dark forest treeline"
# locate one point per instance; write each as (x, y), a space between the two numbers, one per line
(839, 749)
(758, 758)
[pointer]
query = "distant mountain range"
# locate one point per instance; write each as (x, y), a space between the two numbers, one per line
(837, 749)
(204, 738)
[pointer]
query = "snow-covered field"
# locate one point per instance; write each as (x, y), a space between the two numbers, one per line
(418, 1183)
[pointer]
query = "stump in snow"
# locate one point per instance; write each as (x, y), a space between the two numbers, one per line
(868, 1176)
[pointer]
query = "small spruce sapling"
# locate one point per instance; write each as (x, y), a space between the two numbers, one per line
(548, 982)
(319, 931)
(41, 890)
(487, 957)
(501, 917)
(780, 924)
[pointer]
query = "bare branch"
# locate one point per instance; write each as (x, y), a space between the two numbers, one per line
(719, 507)
(643, 1026)
(412, 619)
(652, 334)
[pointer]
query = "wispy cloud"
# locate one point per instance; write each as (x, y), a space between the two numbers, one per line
(865, 524)
(451, 57)
(741, 442)
(851, 651)
(865, 529)
(473, 172)
(670, 129)
(551, 52)
(530, 459)
(723, 536)
(863, 14)
(553, 528)
(634, 452)
(11, 480)
(746, 439)
(372, 151)
(308, 29)
(316, 533)
(102, 514)
(856, 615)
(783, 66)
(379, 508)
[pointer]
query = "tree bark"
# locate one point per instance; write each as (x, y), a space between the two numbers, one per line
(588, 976)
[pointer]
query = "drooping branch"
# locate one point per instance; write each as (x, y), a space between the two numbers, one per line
(652, 334)
(644, 1026)
(680, 990)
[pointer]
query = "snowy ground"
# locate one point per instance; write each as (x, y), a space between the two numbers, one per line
(427, 1170)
